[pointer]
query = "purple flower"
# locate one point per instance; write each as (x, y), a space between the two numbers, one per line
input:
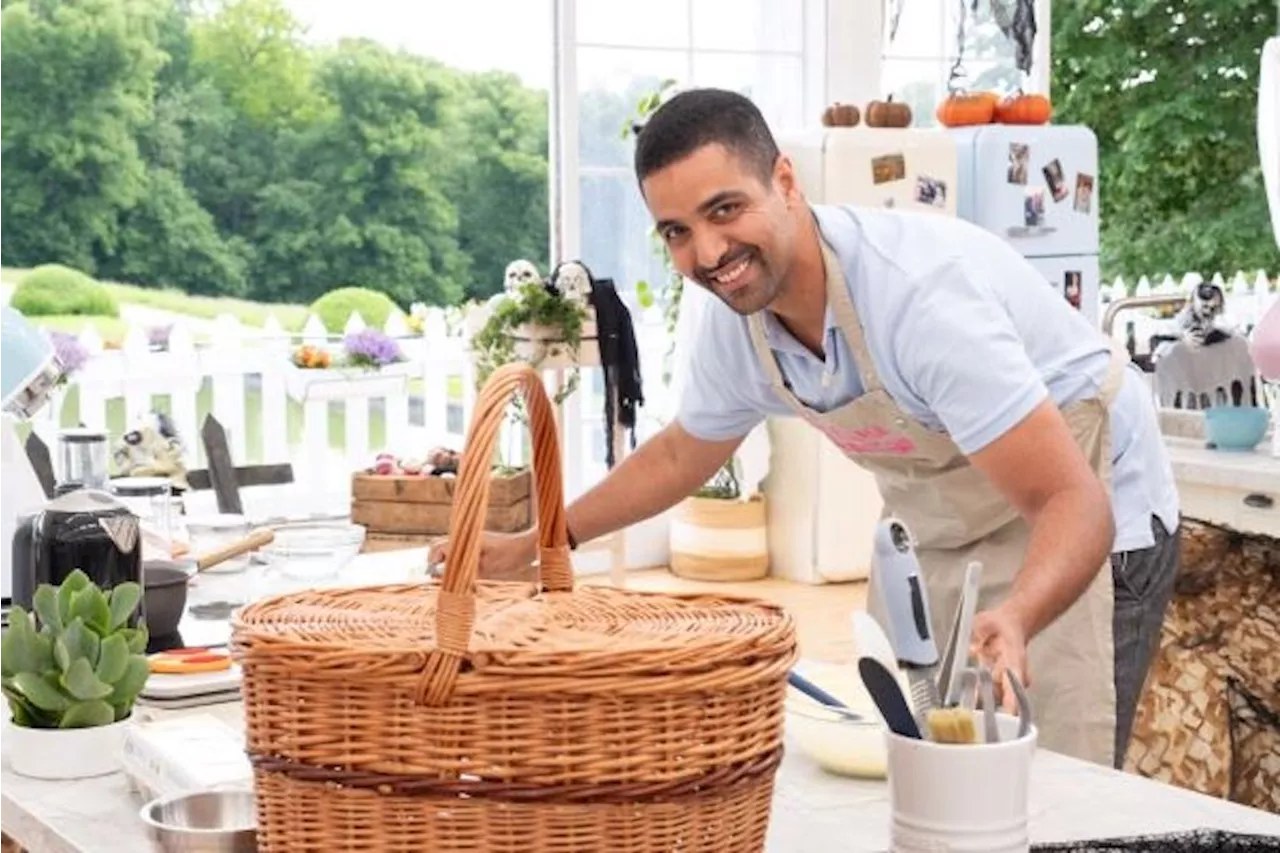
(158, 336)
(371, 348)
(69, 350)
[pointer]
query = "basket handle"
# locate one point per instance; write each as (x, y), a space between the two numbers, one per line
(456, 600)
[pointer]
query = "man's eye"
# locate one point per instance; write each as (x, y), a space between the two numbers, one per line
(672, 234)
(725, 210)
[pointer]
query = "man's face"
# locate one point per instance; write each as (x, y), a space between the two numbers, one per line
(726, 228)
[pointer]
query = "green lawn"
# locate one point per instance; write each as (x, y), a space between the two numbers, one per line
(111, 329)
(291, 317)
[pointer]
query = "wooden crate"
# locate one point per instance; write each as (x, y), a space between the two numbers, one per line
(403, 507)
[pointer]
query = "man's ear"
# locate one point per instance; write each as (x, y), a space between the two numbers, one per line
(784, 178)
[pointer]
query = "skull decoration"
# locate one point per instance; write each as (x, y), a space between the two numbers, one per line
(152, 449)
(571, 280)
(519, 274)
(1199, 316)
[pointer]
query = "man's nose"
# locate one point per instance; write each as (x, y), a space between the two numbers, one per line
(709, 248)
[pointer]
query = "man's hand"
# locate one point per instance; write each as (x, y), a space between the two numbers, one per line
(1000, 644)
(503, 556)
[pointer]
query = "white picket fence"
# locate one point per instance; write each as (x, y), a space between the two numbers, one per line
(1247, 299)
(244, 376)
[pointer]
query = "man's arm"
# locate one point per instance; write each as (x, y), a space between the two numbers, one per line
(661, 472)
(1039, 467)
(997, 408)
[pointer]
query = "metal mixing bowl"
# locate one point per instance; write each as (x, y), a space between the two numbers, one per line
(203, 822)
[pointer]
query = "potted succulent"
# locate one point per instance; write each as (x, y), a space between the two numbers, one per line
(71, 673)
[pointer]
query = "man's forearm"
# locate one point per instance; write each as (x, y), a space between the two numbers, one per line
(1071, 539)
(660, 473)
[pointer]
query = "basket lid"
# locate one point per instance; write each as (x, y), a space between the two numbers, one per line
(586, 633)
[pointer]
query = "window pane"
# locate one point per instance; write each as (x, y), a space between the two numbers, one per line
(610, 83)
(982, 39)
(774, 83)
(654, 23)
(615, 230)
(919, 30)
(748, 25)
(922, 83)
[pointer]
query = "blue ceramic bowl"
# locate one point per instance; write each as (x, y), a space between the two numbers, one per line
(1235, 427)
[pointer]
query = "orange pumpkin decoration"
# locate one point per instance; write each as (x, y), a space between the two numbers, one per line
(1019, 108)
(961, 109)
(888, 113)
(841, 115)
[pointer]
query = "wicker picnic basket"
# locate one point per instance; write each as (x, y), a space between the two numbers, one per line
(471, 715)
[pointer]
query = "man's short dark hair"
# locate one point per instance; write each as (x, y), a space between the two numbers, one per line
(699, 117)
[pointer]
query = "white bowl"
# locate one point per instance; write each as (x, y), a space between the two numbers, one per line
(837, 744)
(314, 551)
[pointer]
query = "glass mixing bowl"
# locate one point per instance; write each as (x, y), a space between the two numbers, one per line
(314, 550)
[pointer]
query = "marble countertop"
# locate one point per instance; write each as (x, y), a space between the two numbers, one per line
(814, 812)
(1254, 471)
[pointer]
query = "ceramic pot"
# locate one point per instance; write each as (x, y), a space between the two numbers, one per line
(65, 753)
(720, 540)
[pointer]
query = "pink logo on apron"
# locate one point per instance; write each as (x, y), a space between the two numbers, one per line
(873, 439)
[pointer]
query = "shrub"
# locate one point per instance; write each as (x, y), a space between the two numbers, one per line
(336, 306)
(53, 289)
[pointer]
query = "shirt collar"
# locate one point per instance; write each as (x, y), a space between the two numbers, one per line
(777, 336)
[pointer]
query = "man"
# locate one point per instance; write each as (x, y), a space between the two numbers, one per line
(999, 424)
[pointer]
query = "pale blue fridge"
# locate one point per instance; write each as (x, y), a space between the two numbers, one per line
(1037, 187)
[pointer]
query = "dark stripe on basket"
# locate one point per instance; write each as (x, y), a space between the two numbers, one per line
(609, 792)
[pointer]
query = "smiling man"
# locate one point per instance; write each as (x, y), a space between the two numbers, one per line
(1000, 426)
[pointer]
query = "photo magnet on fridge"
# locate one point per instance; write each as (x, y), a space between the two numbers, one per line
(1033, 207)
(1019, 156)
(931, 191)
(888, 167)
(1057, 181)
(1084, 193)
(1073, 287)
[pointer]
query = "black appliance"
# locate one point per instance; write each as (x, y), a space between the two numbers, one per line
(82, 529)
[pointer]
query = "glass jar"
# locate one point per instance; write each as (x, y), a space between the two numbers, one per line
(82, 457)
(151, 499)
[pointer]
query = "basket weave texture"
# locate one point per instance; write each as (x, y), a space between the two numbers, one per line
(471, 715)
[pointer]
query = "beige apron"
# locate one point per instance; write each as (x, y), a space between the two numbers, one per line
(956, 515)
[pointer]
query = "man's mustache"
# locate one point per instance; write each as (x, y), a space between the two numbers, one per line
(728, 259)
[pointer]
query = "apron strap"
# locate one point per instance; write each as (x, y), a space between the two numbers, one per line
(841, 304)
(1116, 368)
(766, 357)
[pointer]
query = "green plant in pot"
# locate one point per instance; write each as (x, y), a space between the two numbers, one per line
(72, 671)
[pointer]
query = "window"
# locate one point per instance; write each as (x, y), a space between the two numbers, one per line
(937, 39)
(616, 54)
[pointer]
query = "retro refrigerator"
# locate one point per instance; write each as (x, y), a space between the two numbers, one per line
(822, 508)
(1036, 187)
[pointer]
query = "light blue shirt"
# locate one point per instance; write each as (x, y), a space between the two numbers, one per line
(966, 336)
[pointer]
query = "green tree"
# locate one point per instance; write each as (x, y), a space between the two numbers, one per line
(1170, 89)
(499, 184)
(79, 79)
(366, 202)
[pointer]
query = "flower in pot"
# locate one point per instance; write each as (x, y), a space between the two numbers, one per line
(71, 673)
(371, 349)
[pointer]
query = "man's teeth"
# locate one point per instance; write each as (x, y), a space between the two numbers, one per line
(733, 273)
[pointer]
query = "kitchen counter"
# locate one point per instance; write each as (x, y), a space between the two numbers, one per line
(1238, 490)
(814, 812)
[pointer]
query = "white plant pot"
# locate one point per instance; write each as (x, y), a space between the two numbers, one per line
(65, 753)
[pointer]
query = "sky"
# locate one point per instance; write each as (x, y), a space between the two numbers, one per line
(475, 35)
